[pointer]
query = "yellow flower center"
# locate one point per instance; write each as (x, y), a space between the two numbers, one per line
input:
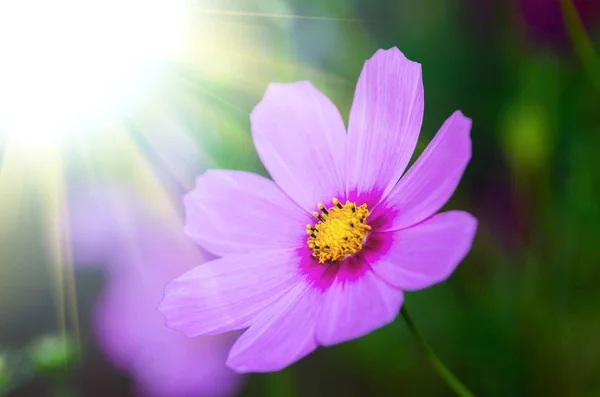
(340, 231)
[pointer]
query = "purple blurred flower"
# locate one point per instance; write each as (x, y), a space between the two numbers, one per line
(296, 277)
(142, 253)
(543, 21)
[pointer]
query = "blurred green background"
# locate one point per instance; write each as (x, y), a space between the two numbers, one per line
(520, 316)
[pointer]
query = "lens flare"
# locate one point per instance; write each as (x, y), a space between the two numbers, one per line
(70, 65)
(140, 93)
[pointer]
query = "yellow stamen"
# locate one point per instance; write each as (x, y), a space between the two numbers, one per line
(340, 231)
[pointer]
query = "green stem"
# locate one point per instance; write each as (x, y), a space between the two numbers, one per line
(439, 366)
(581, 41)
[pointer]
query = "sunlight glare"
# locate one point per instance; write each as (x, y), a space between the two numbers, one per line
(67, 65)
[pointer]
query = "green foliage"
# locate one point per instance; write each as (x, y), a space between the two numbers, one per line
(53, 354)
(4, 375)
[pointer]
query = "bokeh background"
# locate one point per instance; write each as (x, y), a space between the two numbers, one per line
(93, 168)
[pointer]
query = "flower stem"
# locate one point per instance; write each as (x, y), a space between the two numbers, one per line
(582, 43)
(451, 380)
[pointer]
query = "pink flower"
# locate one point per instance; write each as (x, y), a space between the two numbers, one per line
(370, 236)
(143, 251)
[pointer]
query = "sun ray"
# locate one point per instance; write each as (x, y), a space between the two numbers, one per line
(233, 13)
(203, 86)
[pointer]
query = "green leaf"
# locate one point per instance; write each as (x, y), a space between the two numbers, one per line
(581, 42)
(53, 353)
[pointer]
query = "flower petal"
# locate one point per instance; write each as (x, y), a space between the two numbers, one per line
(178, 366)
(228, 293)
(384, 123)
(282, 335)
(430, 182)
(237, 212)
(424, 254)
(134, 337)
(354, 306)
(300, 137)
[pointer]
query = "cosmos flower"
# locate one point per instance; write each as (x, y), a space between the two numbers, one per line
(322, 253)
(142, 252)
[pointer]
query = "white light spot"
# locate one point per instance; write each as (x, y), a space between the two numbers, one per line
(67, 65)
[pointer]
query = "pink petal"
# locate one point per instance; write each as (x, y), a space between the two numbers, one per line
(300, 137)
(424, 254)
(432, 179)
(354, 307)
(384, 124)
(236, 212)
(186, 367)
(133, 335)
(228, 293)
(280, 336)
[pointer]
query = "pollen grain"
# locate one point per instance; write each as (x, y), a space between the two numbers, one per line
(340, 231)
